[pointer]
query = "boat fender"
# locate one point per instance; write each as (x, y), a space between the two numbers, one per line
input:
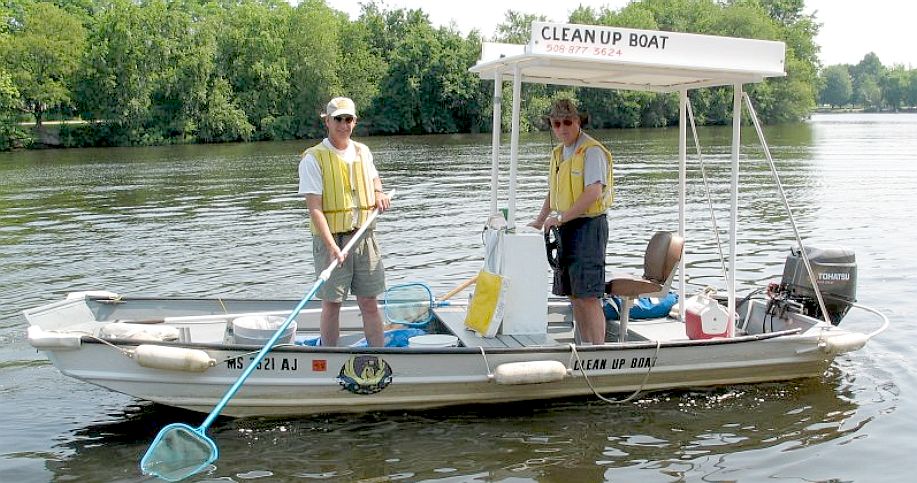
(173, 358)
(42, 339)
(839, 344)
(530, 372)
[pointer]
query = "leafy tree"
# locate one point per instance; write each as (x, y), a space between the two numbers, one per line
(516, 27)
(222, 119)
(11, 13)
(867, 76)
(427, 84)
(461, 93)
(120, 73)
(184, 49)
(912, 88)
(693, 16)
(361, 65)
(148, 70)
(870, 93)
(786, 12)
(837, 86)
(314, 62)
(634, 15)
(10, 133)
(41, 53)
(408, 83)
(896, 86)
(83, 9)
(388, 28)
(250, 55)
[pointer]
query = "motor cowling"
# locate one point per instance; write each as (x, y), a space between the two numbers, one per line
(836, 274)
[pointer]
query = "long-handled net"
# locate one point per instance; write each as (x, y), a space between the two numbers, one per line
(409, 304)
(179, 450)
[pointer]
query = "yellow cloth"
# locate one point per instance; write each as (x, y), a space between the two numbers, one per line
(343, 189)
(566, 178)
(485, 313)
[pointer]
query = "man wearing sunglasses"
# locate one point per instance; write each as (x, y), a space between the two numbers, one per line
(342, 187)
(580, 192)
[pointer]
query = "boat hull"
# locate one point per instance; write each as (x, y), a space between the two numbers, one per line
(303, 381)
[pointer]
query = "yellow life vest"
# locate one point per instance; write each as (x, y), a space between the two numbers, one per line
(566, 178)
(343, 189)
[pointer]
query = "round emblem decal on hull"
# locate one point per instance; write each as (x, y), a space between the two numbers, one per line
(365, 375)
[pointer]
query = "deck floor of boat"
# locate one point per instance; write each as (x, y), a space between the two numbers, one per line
(454, 319)
(560, 332)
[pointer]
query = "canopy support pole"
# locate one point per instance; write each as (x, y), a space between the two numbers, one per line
(495, 141)
(682, 191)
(734, 209)
(514, 148)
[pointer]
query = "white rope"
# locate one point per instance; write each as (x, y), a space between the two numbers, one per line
(628, 398)
(490, 373)
(124, 352)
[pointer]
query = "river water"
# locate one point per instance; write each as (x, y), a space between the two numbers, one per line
(224, 220)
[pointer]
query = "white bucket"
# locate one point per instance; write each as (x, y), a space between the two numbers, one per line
(432, 340)
(258, 329)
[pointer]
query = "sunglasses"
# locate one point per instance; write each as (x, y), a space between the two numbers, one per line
(346, 119)
(565, 122)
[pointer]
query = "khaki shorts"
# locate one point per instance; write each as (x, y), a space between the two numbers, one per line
(362, 272)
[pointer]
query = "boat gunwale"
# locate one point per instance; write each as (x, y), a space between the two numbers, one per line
(560, 348)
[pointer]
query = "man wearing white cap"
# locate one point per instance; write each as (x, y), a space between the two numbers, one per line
(342, 187)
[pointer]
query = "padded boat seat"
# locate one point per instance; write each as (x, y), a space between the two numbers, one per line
(662, 256)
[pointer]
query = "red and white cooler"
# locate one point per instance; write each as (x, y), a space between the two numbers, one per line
(705, 318)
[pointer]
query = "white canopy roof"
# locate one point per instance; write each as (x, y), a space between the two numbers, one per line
(620, 58)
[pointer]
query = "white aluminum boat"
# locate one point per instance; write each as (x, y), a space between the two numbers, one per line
(187, 353)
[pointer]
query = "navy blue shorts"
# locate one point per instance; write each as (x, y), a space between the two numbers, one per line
(581, 270)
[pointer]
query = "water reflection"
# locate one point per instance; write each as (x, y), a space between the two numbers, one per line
(672, 434)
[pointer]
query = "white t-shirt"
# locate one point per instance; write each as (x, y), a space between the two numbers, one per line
(310, 174)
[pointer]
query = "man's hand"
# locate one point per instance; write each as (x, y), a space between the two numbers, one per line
(335, 252)
(383, 202)
(550, 222)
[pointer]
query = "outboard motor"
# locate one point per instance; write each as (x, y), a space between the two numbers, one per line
(836, 274)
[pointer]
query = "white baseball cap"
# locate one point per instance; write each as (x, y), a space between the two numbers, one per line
(340, 106)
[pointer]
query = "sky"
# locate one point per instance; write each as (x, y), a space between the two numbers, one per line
(849, 31)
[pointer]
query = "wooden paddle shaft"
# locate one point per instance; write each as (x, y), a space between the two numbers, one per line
(458, 289)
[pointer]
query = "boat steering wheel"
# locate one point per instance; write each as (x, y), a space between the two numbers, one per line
(552, 246)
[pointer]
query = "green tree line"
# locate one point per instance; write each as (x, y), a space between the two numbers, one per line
(868, 85)
(144, 72)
